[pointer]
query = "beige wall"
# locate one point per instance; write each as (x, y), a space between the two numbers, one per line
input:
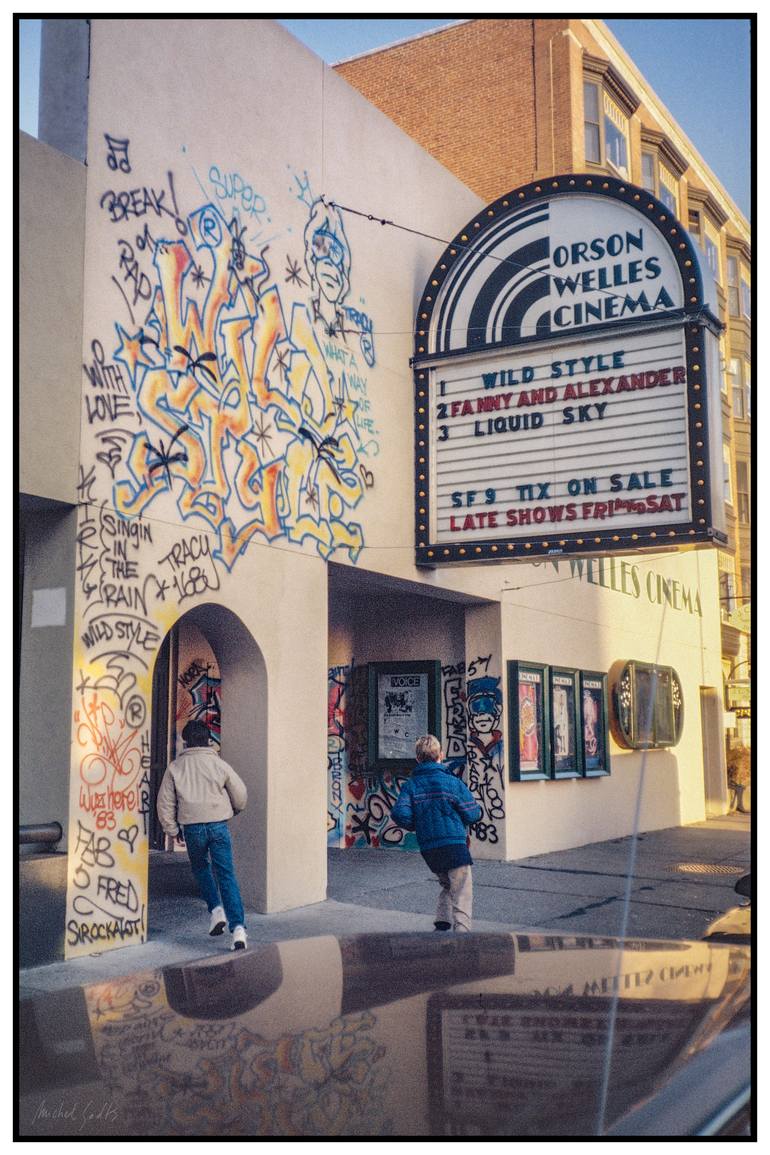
(51, 232)
(210, 144)
(560, 619)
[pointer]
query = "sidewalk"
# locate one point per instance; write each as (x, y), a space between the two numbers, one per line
(683, 879)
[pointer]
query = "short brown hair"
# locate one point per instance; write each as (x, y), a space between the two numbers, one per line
(196, 733)
(427, 748)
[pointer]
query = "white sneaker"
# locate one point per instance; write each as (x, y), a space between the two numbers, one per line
(218, 920)
(239, 938)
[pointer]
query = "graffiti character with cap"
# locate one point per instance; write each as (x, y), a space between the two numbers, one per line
(485, 707)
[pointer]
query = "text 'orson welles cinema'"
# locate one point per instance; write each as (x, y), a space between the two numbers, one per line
(565, 355)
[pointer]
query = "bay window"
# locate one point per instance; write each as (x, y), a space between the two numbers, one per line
(607, 105)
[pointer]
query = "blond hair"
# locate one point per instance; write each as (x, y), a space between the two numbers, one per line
(427, 748)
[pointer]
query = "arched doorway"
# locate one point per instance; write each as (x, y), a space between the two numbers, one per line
(226, 685)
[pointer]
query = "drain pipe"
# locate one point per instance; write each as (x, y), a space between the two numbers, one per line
(48, 833)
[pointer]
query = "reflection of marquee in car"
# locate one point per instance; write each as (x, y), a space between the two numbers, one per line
(564, 353)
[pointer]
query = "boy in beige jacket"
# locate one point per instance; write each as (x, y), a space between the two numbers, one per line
(197, 796)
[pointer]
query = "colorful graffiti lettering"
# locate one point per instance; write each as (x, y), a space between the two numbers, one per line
(265, 437)
(337, 755)
(113, 761)
(367, 817)
(230, 408)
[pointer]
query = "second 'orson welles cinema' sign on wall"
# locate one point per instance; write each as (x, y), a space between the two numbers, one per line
(564, 358)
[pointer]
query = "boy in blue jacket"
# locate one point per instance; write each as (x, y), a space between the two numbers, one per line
(439, 807)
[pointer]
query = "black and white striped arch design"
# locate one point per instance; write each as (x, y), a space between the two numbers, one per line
(498, 287)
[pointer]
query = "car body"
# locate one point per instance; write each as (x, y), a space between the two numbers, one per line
(735, 924)
(401, 1035)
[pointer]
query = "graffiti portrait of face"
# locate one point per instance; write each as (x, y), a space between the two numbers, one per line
(484, 714)
(328, 257)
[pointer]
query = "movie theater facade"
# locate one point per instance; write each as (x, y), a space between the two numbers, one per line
(329, 483)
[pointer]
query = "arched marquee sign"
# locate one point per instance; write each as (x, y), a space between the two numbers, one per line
(563, 361)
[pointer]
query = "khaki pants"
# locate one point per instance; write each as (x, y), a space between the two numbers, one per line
(455, 901)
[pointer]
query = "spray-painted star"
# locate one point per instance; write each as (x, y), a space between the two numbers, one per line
(282, 356)
(262, 433)
(199, 277)
(293, 272)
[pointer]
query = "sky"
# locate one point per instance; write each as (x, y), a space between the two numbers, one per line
(700, 69)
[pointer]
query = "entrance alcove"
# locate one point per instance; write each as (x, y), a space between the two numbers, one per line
(243, 733)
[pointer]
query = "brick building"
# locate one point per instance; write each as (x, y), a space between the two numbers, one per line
(504, 102)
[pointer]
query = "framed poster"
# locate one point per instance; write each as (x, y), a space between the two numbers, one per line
(527, 712)
(404, 703)
(594, 723)
(566, 752)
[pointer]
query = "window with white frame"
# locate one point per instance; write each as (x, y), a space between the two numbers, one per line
(657, 178)
(733, 289)
(742, 488)
(727, 475)
(726, 564)
(649, 166)
(737, 387)
(711, 249)
(747, 387)
(593, 125)
(606, 128)
(615, 135)
(669, 189)
(745, 298)
(693, 224)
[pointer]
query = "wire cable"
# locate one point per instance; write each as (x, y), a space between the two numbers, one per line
(630, 871)
(472, 249)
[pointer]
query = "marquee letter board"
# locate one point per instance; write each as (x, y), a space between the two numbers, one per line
(564, 360)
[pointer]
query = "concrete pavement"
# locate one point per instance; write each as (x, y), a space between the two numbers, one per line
(683, 879)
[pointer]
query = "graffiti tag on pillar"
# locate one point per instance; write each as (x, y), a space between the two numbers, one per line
(485, 749)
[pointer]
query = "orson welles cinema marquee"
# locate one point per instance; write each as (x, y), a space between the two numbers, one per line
(565, 357)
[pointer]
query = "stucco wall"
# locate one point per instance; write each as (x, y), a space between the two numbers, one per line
(51, 233)
(244, 424)
(45, 661)
(604, 624)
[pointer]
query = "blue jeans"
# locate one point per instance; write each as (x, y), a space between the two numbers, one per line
(213, 838)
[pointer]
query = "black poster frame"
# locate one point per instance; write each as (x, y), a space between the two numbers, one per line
(432, 670)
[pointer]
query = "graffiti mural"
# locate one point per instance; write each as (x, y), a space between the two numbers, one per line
(225, 403)
(198, 684)
(337, 760)
(484, 772)
(244, 420)
(454, 695)
(365, 799)
(367, 819)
